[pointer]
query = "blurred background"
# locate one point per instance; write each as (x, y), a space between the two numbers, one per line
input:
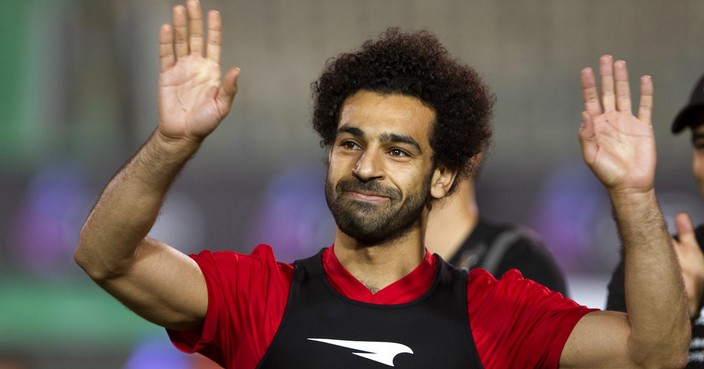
(77, 98)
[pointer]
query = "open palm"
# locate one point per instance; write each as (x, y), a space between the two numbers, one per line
(193, 99)
(618, 146)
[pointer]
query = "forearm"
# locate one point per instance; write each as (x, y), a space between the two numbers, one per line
(129, 205)
(654, 291)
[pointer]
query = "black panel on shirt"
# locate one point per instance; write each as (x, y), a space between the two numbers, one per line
(435, 327)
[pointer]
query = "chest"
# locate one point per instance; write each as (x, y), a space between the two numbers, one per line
(322, 329)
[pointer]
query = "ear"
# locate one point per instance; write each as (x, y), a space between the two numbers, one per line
(442, 181)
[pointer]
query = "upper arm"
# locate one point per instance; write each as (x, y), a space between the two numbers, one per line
(162, 285)
(599, 340)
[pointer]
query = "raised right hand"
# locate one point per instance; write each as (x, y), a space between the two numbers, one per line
(192, 98)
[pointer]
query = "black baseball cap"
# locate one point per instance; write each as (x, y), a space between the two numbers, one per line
(688, 115)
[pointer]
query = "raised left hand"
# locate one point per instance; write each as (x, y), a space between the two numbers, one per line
(618, 146)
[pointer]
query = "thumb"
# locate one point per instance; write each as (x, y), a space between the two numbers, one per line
(228, 89)
(586, 130)
(586, 135)
(685, 230)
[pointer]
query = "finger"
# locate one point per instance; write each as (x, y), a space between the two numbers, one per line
(195, 26)
(606, 70)
(214, 36)
(645, 107)
(623, 91)
(586, 130)
(589, 94)
(180, 31)
(586, 133)
(684, 226)
(166, 48)
(227, 90)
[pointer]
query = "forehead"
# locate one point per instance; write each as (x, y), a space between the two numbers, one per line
(376, 113)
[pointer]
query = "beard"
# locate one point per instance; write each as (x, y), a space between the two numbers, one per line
(374, 223)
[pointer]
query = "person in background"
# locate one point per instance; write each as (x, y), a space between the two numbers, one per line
(459, 234)
(688, 241)
(401, 119)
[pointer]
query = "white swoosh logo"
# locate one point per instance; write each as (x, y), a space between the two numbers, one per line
(381, 352)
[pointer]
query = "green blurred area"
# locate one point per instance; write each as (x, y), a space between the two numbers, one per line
(36, 313)
(14, 40)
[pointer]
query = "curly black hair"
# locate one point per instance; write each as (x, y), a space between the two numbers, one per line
(413, 64)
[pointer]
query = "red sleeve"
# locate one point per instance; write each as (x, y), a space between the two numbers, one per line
(517, 323)
(247, 296)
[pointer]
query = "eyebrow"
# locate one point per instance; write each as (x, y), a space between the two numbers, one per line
(385, 137)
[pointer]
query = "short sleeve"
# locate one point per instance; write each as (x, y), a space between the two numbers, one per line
(518, 323)
(247, 296)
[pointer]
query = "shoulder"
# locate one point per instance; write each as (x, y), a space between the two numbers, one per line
(523, 236)
(517, 322)
(247, 295)
(517, 246)
(513, 292)
(231, 273)
(261, 258)
(508, 235)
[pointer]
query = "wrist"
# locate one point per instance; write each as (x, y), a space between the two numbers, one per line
(175, 147)
(634, 199)
(161, 158)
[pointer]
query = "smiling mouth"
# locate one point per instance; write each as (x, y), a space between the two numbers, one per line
(370, 192)
(369, 197)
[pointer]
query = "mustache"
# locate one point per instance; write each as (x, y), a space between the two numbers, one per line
(372, 187)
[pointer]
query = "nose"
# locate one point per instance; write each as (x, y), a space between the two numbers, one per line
(369, 167)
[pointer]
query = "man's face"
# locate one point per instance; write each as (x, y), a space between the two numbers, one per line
(698, 153)
(380, 166)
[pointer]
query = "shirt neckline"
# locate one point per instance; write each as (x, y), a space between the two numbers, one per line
(404, 290)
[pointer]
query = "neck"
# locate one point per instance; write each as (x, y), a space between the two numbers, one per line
(451, 221)
(377, 266)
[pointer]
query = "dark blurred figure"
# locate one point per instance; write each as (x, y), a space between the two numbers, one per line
(459, 234)
(688, 241)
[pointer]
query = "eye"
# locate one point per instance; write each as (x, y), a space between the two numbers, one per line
(349, 145)
(698, 145)
(398, 152)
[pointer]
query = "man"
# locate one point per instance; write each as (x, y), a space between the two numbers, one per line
(458, 233)
(689, 240)
(401, 119)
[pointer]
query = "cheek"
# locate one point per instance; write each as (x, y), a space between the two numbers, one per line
(331, 175)
(416, 183)
(338, 162)
(698, 167)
